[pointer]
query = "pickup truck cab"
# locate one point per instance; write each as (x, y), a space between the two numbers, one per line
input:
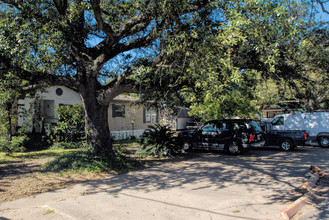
(316, 123)
(285, 139)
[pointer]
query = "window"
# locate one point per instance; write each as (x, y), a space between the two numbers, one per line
(150, 115)
(223, 127)
(61, 104)
(278, 120)
(236, 126)
(211, 127)
(59, 91)
(118, 111)
(255, 126)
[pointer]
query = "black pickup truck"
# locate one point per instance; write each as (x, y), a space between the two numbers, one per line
(285, 139)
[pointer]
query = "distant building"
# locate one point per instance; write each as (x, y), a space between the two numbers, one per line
(177, 118)
(269, 113)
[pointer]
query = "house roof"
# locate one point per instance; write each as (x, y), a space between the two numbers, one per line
(126, 98)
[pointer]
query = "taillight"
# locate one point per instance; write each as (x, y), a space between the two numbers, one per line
(251, 138)
(305, 135)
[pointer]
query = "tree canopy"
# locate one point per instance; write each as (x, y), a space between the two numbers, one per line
(209, 52)
(80, 44)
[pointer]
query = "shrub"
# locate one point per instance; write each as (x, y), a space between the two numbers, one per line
(35, 141)
(70, 126)
(87, 161)
(13, 145)
(69, 145)
(81, 160)
(158, 140)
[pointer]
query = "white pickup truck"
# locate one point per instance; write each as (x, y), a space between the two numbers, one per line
(316, 123)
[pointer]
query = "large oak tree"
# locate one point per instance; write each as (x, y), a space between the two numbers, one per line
(207, 49)
(75, 43)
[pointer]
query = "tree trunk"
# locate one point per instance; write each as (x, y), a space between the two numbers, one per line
(97, 128)
(9, 119)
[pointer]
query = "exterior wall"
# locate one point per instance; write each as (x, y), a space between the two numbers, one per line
(133, 120)
(24, 105)
(270, 113)
(44, 104)
(43, 112)
(267, 114)
(176, 119)
(181, 122)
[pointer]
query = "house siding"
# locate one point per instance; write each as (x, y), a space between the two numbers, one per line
(133, 120)
(45, 103)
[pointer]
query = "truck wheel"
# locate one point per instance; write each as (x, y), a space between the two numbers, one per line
(286, 145)
(187, 146)
(324, 142)
(233, 148)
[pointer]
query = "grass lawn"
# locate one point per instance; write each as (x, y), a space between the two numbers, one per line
(23, 174)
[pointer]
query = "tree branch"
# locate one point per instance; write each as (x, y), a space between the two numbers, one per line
(125, 85)
(106, 28)
(61, 6)
(141, 21)
(321, 3)
(197, 5)
(11, 2)
(36, 76)
(143, 41)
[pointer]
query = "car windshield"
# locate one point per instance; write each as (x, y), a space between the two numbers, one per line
(255, 126)
(209, 127)
(279, 120)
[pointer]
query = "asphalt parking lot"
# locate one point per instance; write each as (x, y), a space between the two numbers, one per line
(256, 185)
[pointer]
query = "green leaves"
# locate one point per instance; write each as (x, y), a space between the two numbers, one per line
(11, 87)
(70, 125)
(13, 145)
(248, 44)
(158, 140)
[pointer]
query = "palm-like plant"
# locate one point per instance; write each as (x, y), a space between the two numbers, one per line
(158, 140)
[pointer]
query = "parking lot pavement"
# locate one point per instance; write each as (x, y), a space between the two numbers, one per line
(256, 185)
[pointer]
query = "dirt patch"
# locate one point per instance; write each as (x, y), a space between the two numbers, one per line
(22, 178)
(25, 177)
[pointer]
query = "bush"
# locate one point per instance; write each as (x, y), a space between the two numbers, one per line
(16, 144)
(82, 160)
(36, 141)
(70, 126)
(158, 140)
(69, 145)
(88, 161)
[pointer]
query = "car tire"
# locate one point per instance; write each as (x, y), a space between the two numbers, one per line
(286, 145)
(187, 146)
(233, 148)
(324, 142)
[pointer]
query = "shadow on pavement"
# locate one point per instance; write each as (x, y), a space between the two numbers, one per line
(280, 172)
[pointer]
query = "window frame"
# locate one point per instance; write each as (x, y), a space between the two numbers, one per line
(153, 115)
(118, 111)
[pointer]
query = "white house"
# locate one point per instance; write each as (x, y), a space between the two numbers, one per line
(126, 117)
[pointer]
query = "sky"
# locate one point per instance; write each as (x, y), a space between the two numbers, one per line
(322, 15)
